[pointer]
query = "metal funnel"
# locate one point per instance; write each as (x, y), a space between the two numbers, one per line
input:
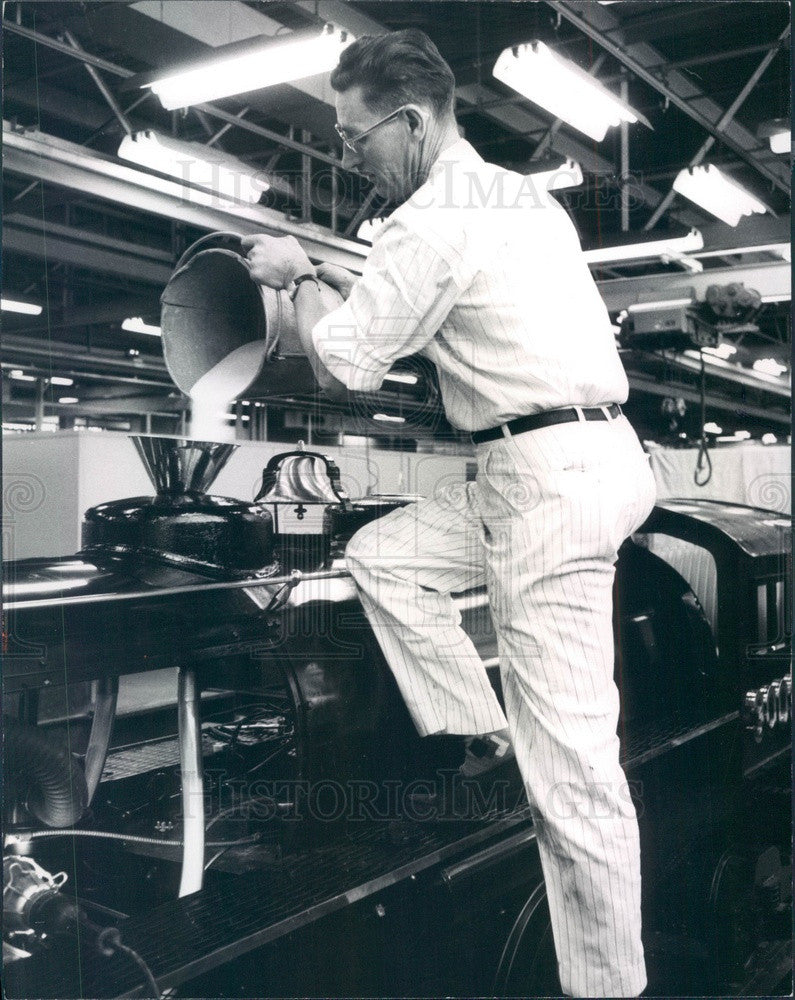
(178, 465)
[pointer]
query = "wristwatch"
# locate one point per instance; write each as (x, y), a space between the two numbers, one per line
(309, 276)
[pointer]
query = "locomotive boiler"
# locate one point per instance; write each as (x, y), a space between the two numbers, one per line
(259, 838)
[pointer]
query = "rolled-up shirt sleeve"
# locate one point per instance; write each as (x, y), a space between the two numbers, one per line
(411, 280)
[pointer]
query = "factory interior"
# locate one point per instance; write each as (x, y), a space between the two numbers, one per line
(205, 750)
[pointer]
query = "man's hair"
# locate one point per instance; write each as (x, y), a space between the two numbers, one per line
(402, 67)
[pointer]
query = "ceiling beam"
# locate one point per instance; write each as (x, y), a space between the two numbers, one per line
(726, 119)
(647, 63)
(767, 279)
(754, 230)
(209, 109)
(65, 164)
(44, 353)
(74, 246)
(723, 393)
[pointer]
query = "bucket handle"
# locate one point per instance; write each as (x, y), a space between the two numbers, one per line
(219, 240)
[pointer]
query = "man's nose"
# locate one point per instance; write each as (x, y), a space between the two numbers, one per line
(350, 160)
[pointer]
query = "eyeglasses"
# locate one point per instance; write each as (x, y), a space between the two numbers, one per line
(350, 141)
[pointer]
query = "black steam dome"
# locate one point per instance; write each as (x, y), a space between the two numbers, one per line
(182, 526)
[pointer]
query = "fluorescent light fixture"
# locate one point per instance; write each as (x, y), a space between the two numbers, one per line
(387, 418)
(781, 249)
(562, 88)
(258, 63)
(59, 380)
(652, 248)
(567, 175)
(194, 163)
(711, 359)
(712, 429)
(20, 376)
(777, 297)
(638, 307)
(15, 306)
(781, 142)
(723, 350)
(135, 324)
(68, 399)
(778, 133)
(405, 377)
(368, 229)
(722, 197)
(769, 366)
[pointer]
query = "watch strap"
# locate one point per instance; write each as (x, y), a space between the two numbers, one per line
(309, 276)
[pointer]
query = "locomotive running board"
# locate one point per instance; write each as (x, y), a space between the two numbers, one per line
(186, 937)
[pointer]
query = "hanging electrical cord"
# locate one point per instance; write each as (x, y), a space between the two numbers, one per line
(703, 461)
(109, 941)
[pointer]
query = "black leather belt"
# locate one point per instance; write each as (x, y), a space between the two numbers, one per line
(547, 418)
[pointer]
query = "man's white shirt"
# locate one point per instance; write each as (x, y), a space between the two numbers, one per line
(480, 271)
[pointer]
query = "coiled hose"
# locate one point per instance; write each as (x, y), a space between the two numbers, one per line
(42, 775)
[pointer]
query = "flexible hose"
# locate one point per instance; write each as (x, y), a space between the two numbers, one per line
(131, 838)
(50, 782)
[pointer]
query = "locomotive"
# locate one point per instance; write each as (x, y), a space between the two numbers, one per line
(269, 830)
(260, 836)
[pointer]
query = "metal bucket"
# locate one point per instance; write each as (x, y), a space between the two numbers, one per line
(211, 308)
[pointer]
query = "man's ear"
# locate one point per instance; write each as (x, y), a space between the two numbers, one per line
(417, 119)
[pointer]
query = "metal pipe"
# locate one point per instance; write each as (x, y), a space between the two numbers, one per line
(101, 728)
(52, 602)
(93, 72)
(67, 50)
(306, 182)
(214, 137)
(39, 405)
(190, 764)
(624, 159)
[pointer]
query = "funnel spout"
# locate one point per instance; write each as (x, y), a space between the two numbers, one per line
(178, 465)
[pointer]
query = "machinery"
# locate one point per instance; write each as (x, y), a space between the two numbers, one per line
(261, 836)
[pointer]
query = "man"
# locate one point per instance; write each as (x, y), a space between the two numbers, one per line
(484, 275)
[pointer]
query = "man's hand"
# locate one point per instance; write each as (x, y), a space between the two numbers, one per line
(340, 279)
(275, 261)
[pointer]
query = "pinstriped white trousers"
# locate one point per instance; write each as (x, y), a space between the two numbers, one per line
(541, 527)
